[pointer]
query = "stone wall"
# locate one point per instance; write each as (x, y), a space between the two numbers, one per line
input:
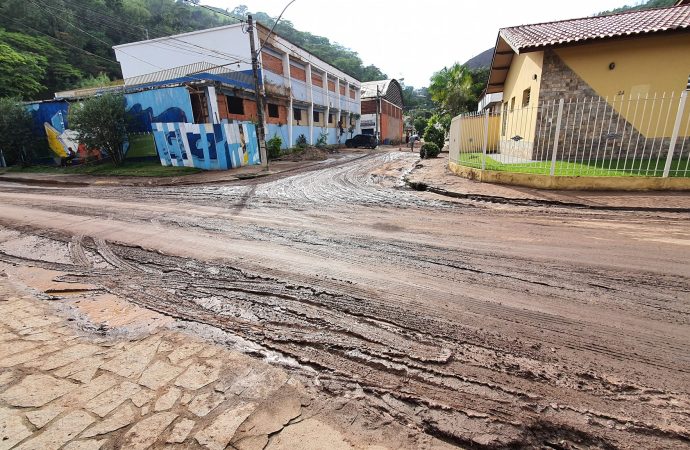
(590, 126)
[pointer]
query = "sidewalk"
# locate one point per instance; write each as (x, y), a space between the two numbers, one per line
(206, 177)
(88, 370)
(434, 174)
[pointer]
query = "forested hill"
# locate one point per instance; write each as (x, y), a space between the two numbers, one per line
(642, 5)
(51, 45)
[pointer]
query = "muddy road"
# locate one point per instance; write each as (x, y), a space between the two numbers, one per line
(485, 325)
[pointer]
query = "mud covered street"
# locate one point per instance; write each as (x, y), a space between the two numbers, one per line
(479, 324)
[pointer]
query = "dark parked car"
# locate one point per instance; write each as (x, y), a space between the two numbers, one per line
(362, 140)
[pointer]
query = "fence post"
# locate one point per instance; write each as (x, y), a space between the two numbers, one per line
(486, 139)
(676, 129)
(557, 135)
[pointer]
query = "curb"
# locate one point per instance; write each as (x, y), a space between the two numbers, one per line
(419, 186)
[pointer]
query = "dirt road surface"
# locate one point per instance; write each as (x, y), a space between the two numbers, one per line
(476, 324)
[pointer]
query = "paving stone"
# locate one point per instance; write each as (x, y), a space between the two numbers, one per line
(167, 400)
(12, 428)
(40, 417)
(36, 354)
(36, 390)
(205, 403)
(186, 398)
(309, 434)
(85, 445)
(42, 336)
(16, 347)
(6, 378)
(259, 384)
(69, 355)
(219, 433)
(82, 370)
(89, 391)
(198, 375)
(180, 431)
(229, 378)
(142, 398)
(269, 417)
(159, 374)
(208, 352)
(133, 360)
(111, 399)
(145, 432)
(59, 432)
(183, 352)
(165, 347)
(251, 443)
(120, 418)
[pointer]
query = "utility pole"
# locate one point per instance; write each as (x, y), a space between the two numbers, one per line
(378, 113)
(257, 90)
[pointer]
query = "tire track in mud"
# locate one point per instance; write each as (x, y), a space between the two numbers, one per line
(424, 376)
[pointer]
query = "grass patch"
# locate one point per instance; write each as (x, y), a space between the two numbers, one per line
(126, 169)
(599, 168)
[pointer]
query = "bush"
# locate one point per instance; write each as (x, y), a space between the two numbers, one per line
(16, 139)
(322, 141)
(101, 122)
(429, 150)
(301, 142)
(433, 134)
(273, 146)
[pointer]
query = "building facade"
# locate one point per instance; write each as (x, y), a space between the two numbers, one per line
(628, 62)
(303, 95)
(382, 110)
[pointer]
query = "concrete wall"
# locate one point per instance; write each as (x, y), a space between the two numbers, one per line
(145, 57)
(206, 146)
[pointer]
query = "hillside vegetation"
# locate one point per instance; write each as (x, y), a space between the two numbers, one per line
(51, 45)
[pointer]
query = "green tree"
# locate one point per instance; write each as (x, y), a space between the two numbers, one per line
(16, 140)
(101, 122)
(435, 132)
(20, 72)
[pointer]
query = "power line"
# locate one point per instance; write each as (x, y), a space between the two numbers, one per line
(217, 11)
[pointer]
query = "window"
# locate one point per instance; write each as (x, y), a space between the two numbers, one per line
(526, 96)
(330, 118)
(296, 113)
(273, 110)
(235, 105)
(512, 104)
(316, 116)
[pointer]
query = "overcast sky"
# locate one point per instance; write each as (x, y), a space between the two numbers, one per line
(413, 39)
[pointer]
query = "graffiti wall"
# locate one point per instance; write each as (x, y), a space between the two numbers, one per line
(206, 146)
(53, 113)
(158, 105)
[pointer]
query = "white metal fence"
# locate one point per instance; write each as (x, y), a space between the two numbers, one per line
(622, 136)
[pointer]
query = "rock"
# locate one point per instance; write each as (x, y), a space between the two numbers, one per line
(270, 416)
(132, 361)
(85, 445)
(183, 352)
(309, 434)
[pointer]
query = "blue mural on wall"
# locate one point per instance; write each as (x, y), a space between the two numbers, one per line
(158, 105)
(206, 146)
(53, 113)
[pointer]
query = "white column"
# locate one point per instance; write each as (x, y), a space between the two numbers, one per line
(212, 100)
(325, 97)
(311, 105)
(288, 84)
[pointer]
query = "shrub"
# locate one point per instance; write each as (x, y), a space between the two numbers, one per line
(429, 150)
(322, 141)
(273, 146)
(101, 122)
(16, 139)
(434, 134)
(301, 141)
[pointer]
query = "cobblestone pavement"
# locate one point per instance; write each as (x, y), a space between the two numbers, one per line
(65, 388)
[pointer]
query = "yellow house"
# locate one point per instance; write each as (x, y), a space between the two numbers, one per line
(627, 69)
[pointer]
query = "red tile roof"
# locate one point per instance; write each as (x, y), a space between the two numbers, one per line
(531, 37)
